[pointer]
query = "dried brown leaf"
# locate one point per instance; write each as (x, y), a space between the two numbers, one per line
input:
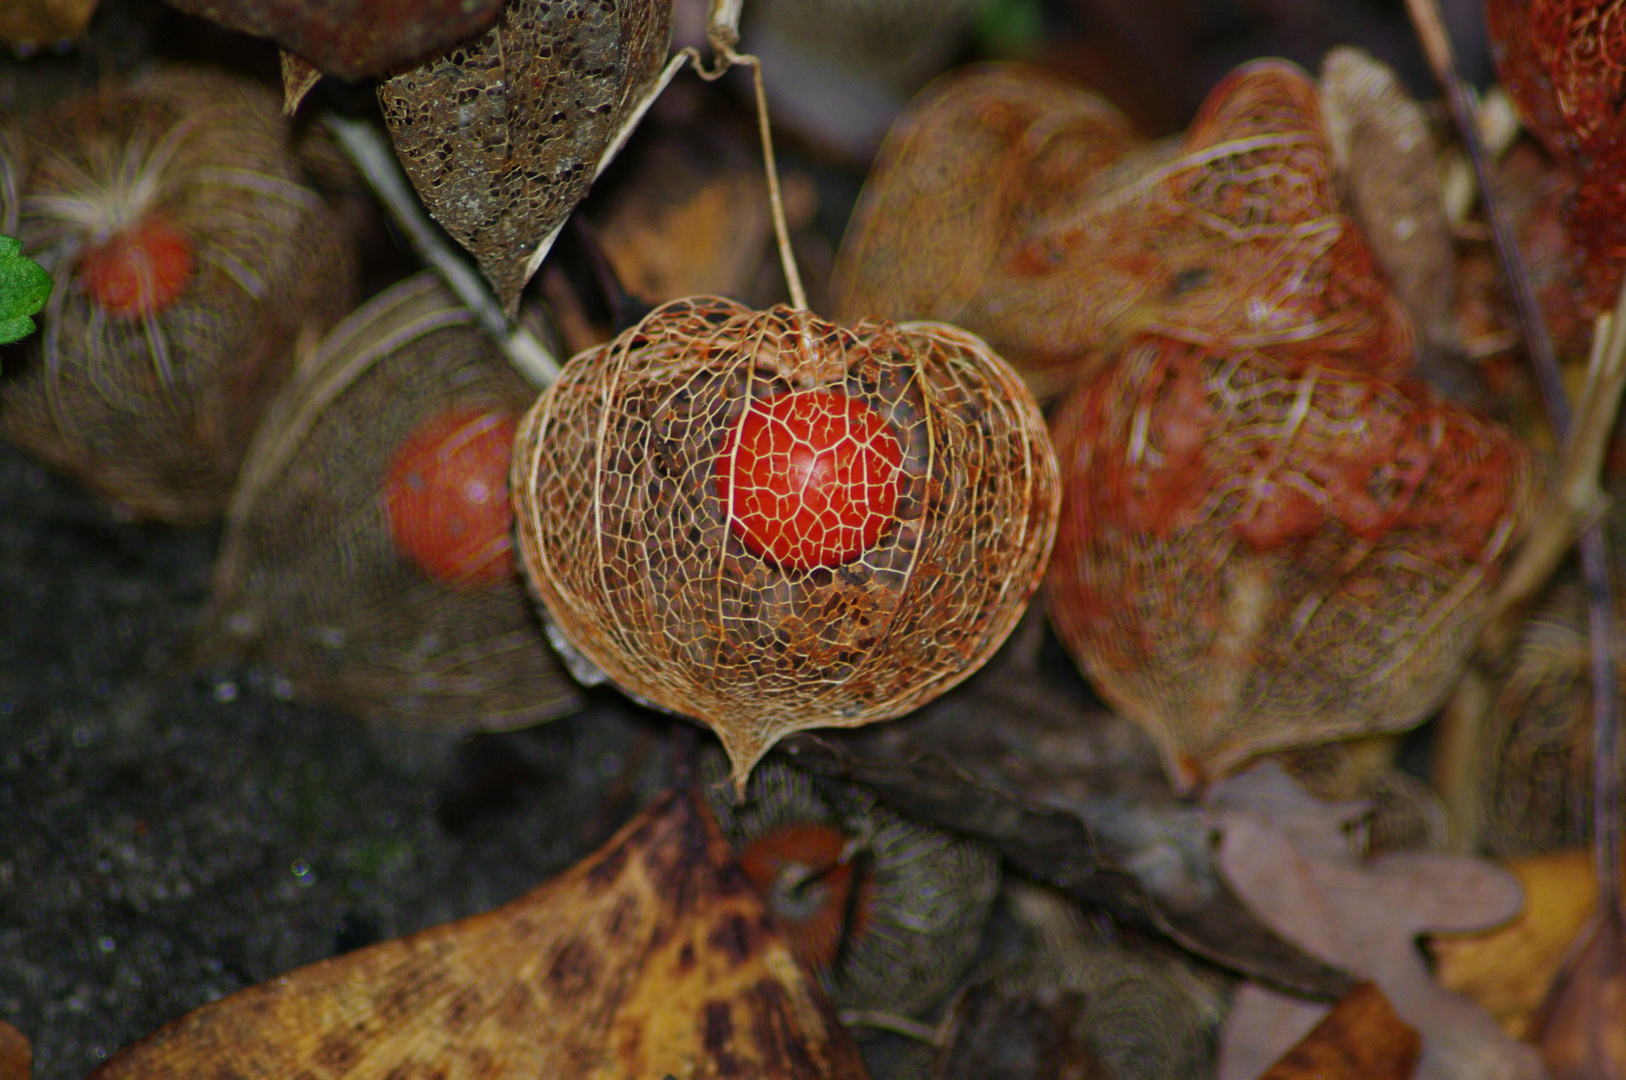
(651, 957)
(352, 38)
(1290, 860)
(1360, 1039)
(503, 134)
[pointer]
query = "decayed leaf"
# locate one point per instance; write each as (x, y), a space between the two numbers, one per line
(352, 38)
(1360, 1039)
(503, 134)
(1389, 168)
(29, 24)
(1581, 1027)
(16, 1055)
(653, 957)
(1290, 860)
(1509, 970)
(1233, 238)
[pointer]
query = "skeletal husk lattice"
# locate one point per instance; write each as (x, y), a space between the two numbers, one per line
(893, 565)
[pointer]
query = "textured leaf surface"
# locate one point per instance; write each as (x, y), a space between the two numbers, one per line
(24, 288)
(503, 134)
(652, 957)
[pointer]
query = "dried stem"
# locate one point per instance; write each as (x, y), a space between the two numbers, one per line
(899, 1025)
(1606, 819)
(373, 156)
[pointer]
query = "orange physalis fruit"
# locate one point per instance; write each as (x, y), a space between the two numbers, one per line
(140, 270)
(802, 870)
(446, 497)
(811, 478)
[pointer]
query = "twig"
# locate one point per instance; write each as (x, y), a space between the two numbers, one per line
(1606, 821)
(373, 156)
(885, 1021)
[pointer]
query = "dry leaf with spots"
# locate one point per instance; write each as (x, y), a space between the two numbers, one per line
(1360, 1039)
(352, 38)
(503, 134)
(1290, 859)
(651, 957)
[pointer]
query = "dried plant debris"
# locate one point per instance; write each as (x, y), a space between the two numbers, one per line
(770, 522)
(16, 1055)
(1388, 167)
(1148, 861)
(367, 555)
(1360, 1039)
(1536, 760)
(193, 263)
(1508, 970)
(652, 957)
(1291, 860)
(352, 38)
(1234, 237)
(1260, 553)
(887, 912)
(503, 134)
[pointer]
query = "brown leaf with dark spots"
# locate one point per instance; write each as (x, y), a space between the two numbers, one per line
(16, 1055)
(1361, 1039)
(351, 38)
(653, 956)
(503, 134)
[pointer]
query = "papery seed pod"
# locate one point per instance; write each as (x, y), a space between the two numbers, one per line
(367, 553)
(885, 911)
(1256, 555)
(770, 522)
(191, 261)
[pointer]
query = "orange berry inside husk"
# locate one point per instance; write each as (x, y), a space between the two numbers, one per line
(799, 869)
(140, 270)
(446, 497)
(810, 478)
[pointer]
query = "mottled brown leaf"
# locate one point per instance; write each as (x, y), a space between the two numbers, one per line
(1360, 1039)
(652, 957)
(351, 38)
(503, 134)
(299, 77)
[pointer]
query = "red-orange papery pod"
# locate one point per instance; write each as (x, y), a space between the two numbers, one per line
(1256, 555)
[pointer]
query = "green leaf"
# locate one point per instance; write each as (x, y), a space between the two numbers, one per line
(24, 288)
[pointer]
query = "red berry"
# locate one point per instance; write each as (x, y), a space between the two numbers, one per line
(799, 868)
(140, 270)
(446, 497)
(810, 478)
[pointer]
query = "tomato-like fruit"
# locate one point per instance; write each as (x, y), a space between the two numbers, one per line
(446, 497)
(138, 271)
(810, 478)
(800, 870)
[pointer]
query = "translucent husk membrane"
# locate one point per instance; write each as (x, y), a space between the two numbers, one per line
(642, 566)
(310, 583)
(153, 408)
(1256, 554)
